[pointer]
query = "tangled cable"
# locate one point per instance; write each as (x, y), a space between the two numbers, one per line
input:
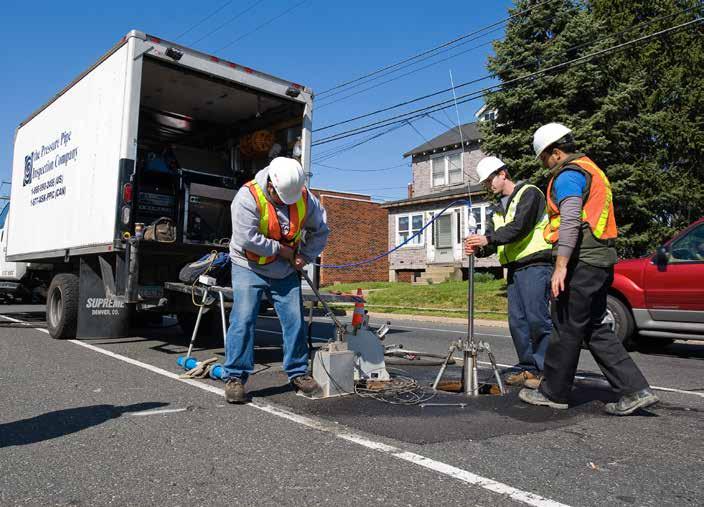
(400, 390)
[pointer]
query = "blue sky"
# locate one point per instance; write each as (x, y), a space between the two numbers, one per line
(318, 43)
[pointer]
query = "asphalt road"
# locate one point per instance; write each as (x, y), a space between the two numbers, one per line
(98, 422)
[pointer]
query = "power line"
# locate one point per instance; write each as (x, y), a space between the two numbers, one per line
(489, 76)
(206, 18)
(261, 26)
(401, 76)
(223, 25)
(410, 72)
(432, 50)
(479, 93)
(405, 164)
(335, 152)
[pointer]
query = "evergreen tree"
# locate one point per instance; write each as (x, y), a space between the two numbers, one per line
(636, 112)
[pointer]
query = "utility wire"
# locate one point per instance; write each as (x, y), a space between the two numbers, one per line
(489, 76)
(361, 170)
(267, 22)
(432, 50)
(206, 18)
(329, 96)
(230, 20)
(479, 93)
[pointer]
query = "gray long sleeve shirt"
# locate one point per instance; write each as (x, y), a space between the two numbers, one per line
(246, 235)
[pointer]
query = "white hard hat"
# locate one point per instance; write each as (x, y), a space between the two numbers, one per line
(286, 174)
(547, 135)
(488, 166)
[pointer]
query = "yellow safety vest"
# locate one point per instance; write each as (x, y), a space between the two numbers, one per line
(532, 243)
(269, 223)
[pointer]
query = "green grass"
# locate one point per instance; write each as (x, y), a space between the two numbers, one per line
(435, 299)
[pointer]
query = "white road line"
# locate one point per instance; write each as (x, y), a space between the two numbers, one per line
(417, 459)
(157, 412)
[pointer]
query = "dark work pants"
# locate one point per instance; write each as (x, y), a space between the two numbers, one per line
(529, 314)
(577, 315)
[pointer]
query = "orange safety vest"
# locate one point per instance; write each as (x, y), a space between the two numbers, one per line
(269, 223)
(597, 208)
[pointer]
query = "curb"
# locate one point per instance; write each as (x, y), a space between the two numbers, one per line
(431, 318)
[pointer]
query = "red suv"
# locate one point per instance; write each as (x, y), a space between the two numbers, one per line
(660, 298)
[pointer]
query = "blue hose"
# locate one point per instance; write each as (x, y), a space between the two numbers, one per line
(187, 363)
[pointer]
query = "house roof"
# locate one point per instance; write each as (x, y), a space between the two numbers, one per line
(458, 192)
(470, 133)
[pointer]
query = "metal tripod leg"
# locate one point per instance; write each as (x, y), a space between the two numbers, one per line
(492, 359)
(222, 316)
(453, 347)
(195, 328)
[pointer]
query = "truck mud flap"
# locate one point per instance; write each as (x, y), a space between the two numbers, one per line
(101, 314)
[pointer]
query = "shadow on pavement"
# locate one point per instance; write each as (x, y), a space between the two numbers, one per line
(64, 422)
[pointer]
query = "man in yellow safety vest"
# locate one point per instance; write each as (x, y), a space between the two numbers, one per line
(278, 227)
(516, 230)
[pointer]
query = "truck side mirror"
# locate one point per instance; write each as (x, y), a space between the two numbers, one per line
(661, 258)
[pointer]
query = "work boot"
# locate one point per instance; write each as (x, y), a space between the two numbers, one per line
(533, 383)
(629, 403)
(519, 378)
(306, 384)
(538, 398)
(234, 391)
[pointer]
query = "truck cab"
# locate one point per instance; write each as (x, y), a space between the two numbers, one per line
(660, 298)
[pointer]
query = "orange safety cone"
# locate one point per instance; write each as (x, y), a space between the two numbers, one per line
(358, 315)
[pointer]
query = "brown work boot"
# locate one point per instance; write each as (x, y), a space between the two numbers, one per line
(533, 383)
(306, 384)
(234, 391)
(518, 379)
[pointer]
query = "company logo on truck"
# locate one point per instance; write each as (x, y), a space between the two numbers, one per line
(104, 306)
(27, 171)
(52, 156)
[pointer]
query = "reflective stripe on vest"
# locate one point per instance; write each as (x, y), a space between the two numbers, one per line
(531, 243)
(597, 210)
(269, 223)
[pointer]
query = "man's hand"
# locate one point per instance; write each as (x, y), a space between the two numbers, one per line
(299, 262)
(476, 240)
(558, 276)
(286, 252)
(468, 249)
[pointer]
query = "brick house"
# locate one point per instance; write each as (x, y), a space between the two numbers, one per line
(440, 176)
(357, 232)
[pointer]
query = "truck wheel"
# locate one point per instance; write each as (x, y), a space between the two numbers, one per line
(619, 317)
(62, 306)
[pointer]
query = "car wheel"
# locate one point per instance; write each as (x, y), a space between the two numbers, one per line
(62, 306)
(619, 318)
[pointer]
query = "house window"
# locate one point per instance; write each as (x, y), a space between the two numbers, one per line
(479, 212)
(446, 169)
(407, 226)
(443, 232)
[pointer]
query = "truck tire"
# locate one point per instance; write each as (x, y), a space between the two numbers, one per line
(623, 323)
(62, 306)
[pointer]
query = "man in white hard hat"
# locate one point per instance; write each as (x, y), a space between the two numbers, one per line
(516, 232)
(582, 228)
(270, 215)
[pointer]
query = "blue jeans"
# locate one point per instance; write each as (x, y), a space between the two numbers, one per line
(247, 290)
(529, 314)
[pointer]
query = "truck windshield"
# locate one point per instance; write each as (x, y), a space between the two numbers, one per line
(3, 215)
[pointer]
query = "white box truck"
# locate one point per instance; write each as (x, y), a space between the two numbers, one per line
(154, 132)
